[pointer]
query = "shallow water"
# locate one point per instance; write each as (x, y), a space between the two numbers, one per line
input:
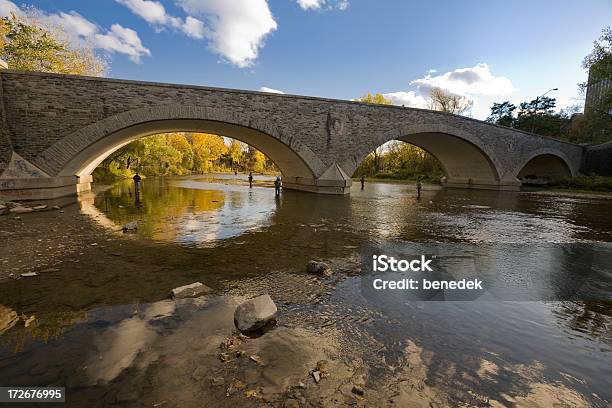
(543, 327)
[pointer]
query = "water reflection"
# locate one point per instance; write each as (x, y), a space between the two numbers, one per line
(104, 326)
(188, 212)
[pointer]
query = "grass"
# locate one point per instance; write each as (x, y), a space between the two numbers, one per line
(583, 183)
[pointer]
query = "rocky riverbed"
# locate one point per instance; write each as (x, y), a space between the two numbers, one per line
(96, 314)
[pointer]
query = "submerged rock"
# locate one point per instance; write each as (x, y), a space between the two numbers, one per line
(8, 318)
(255, 313)
(217, 381)
(319, 268)
(130, 226)
(21, 210)
(39, 207)
(357, 390)
(190, 291)
(29, 274)
(4, 209)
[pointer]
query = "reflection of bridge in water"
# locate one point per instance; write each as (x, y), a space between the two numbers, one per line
(57, 128)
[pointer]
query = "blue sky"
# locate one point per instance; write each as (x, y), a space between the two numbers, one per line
(486, 50)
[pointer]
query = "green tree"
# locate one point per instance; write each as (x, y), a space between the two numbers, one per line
(596, 126)
(27, 45)
(537, 116)
(502, 114)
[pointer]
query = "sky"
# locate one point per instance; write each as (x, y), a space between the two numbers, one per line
(487, 51)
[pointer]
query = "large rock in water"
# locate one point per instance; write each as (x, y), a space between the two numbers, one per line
(189, 291)
(318, 268)
(255, 313)
(8, 318)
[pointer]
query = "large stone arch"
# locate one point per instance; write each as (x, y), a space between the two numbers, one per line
(467, 160)
(546, 163)
(79, 153)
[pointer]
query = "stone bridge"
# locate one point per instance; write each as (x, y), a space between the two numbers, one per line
(56, 129)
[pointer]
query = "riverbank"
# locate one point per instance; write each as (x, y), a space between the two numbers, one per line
(551, 191)
(102, 176)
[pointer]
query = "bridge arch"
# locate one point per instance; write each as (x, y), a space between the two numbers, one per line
(79, 153)
(466, 160)
(545, 163)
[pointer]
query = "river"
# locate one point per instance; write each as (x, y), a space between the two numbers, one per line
(103, 326)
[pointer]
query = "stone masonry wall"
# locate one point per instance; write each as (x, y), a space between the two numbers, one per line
(42, 109)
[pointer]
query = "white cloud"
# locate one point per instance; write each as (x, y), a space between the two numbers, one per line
(311, 4)
(477, 80)
(236, 28)
(73, 23)
(319, 4)
(270, 90)
(477, 84)
(151, 11)
(122, 40)
(116, 40)
(194, 28)
(409, 98)
(155, 14)
(8, 7)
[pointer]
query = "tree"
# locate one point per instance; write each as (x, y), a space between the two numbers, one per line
(181, 153)
(26, 44)
(377, 99)
(538, 106)
(445, 101)
(179, 142)
(600, 58)
(596, 125)
(256, 160)
(206, 149)
(502, 114)
(235, 154)
(537, 116)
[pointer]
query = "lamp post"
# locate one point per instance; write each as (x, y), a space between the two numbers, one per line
(535, 108)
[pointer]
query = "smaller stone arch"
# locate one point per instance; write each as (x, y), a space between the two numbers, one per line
(545, 164)
(467, 161)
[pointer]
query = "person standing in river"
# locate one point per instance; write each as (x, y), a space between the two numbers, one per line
(362, 179)
(277, 186)
(250, 179)
(419, 185)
